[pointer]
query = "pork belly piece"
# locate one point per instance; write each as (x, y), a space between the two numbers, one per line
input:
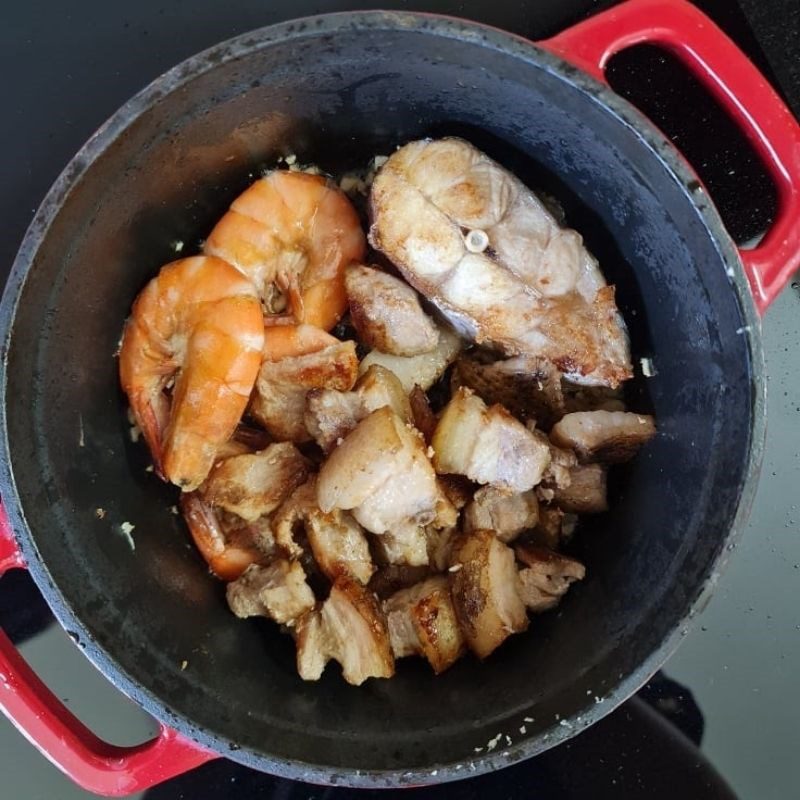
(530, 388)
(315, 645)
(278, 591)
(279, 399)
(586, 493)
(485, 588)
(382, 474)
(506, 513)
(339, 545)
(418, 546)
(607, 436)
(408, 547)
(546, 576)
(476, 242)
(290, 518)
(254, 484)
(350, 628)
(336, 540)
(488, 445)
(422, 621)
(386, 313)
(330, 415)
(422, 370)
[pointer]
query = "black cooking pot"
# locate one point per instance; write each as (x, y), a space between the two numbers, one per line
(335, 90)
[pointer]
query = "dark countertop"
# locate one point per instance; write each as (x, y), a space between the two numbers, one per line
(67, 67)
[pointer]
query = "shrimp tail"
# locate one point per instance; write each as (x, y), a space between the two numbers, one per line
(226, 561)
(286, 341)
(203, 525)
(151, 417)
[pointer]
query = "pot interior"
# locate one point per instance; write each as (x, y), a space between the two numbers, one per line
(335, 93)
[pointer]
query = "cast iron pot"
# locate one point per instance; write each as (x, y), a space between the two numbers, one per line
(334, 90)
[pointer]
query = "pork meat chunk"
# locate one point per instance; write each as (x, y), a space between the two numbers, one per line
(507, 513)
(586, 492)
(382, 474)
(387, 314)
(546, 576)
(607, 436)
(330, 415)
(487, 445)
(279, 399)
(486, 591)
(422, 621)
(254, 484)
(350, 628)
(278, 591)
(337, 542)
(422, 370)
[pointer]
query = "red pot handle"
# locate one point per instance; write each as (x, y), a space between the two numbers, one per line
(62, 738)
(737, 85)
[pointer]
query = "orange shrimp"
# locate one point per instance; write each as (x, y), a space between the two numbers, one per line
(287, 341)
(227, 553)
(200, 322)
(229, 515)
(292, 234)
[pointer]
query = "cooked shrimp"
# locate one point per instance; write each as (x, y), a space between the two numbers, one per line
(292, 234)
(227, 548)
(229, 516)
(200, 323)
(287, 341)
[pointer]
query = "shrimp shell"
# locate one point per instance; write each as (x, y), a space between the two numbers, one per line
(296, 232)
(198, 321)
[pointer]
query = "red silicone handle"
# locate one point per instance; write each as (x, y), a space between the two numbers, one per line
(737, 85)
(44, 720)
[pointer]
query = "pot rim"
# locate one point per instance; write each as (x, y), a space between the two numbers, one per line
(515, 46)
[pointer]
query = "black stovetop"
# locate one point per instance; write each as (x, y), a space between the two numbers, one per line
(731, 687)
